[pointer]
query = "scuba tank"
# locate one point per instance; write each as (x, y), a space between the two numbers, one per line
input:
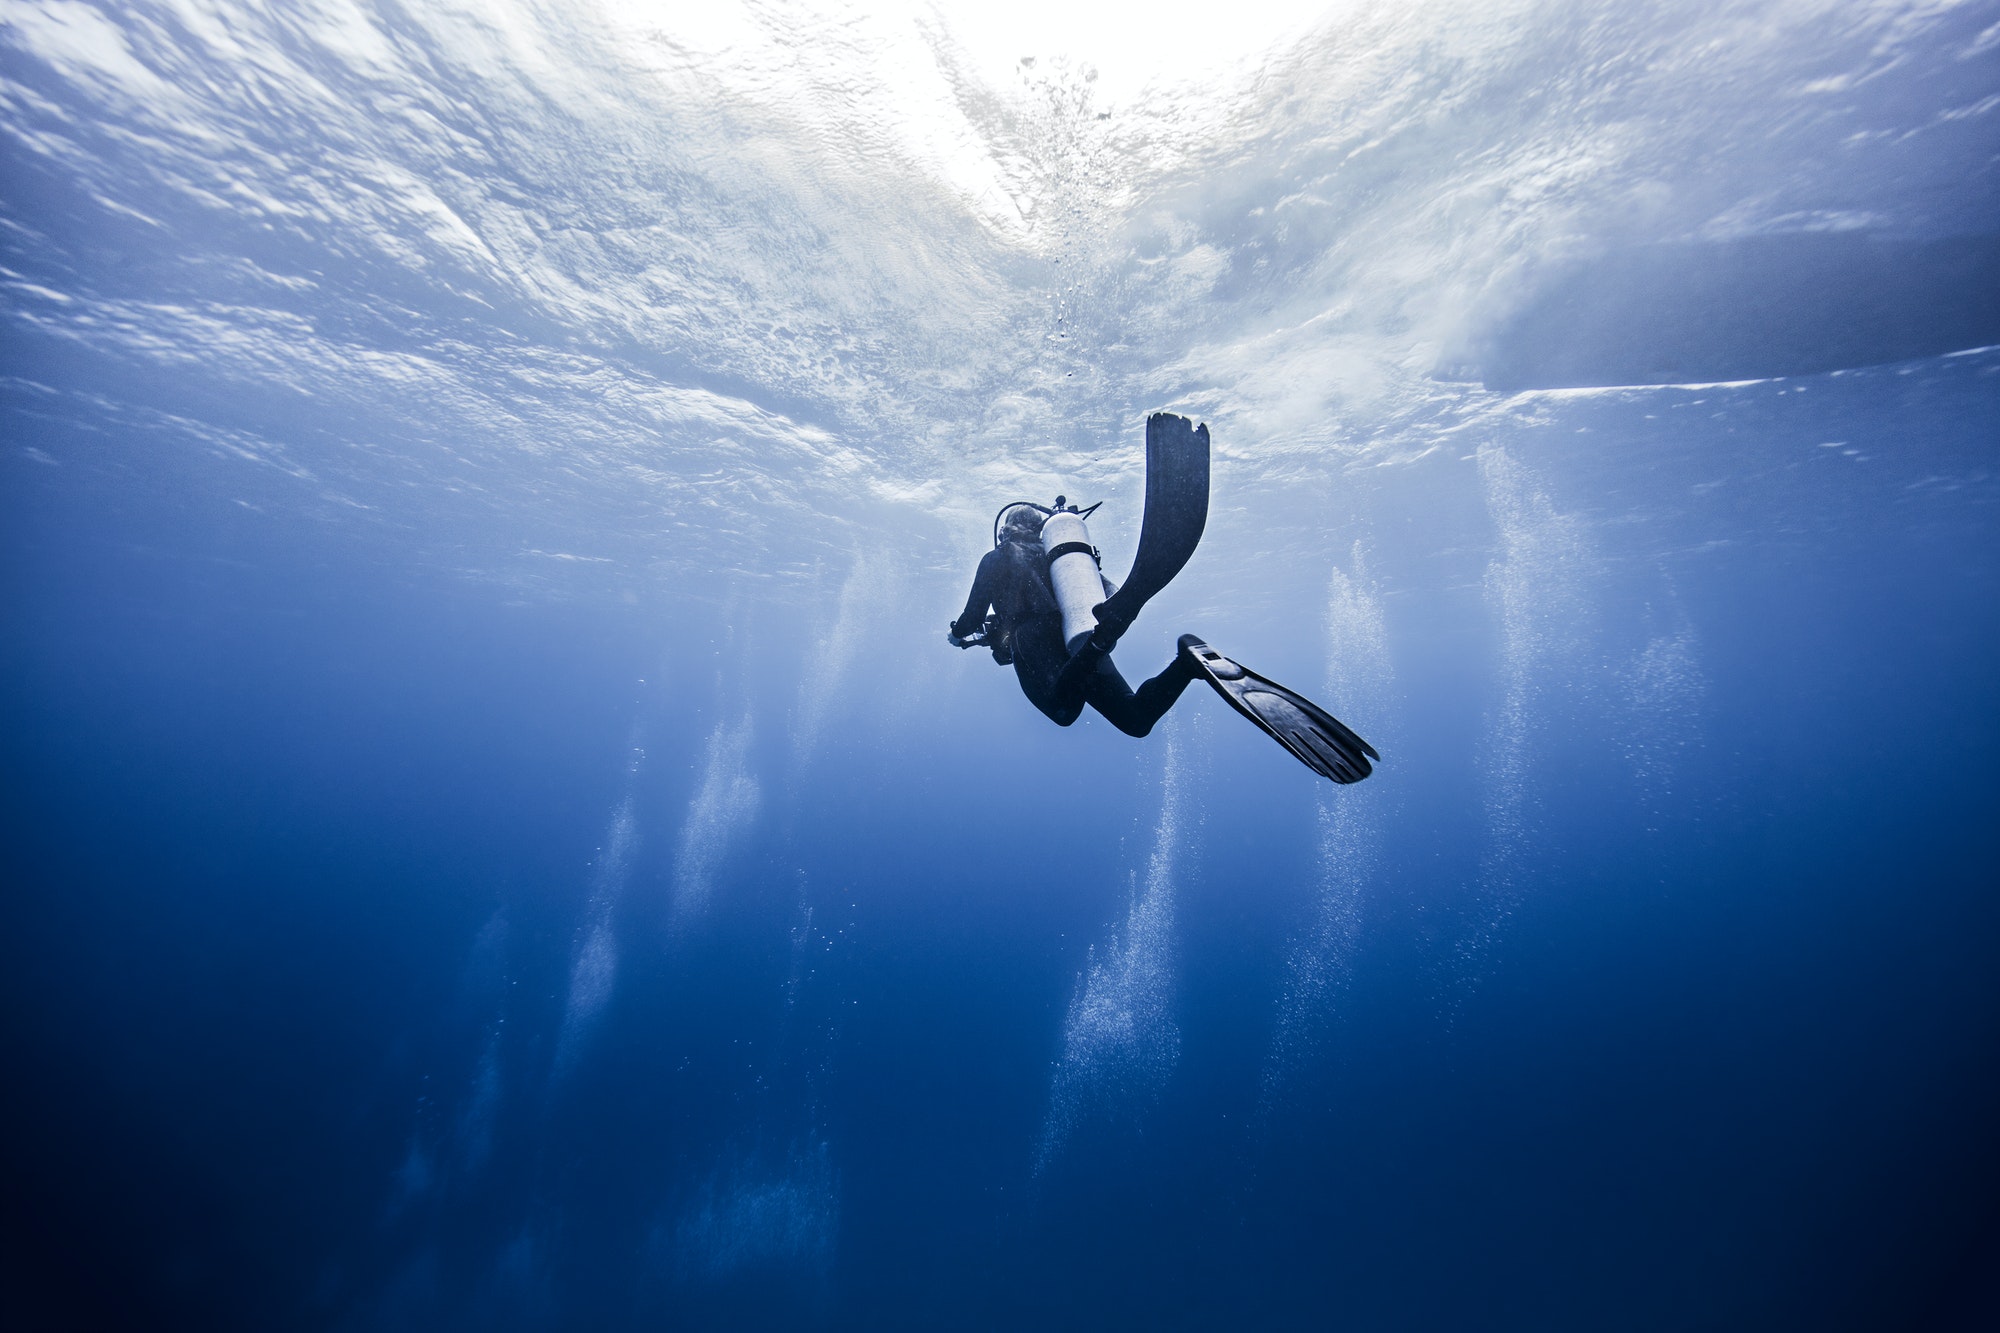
(1073, 574)
(1073, 565)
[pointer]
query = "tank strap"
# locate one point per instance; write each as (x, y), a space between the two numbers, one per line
(1073, 548)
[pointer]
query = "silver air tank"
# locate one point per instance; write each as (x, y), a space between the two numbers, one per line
(1073, 572)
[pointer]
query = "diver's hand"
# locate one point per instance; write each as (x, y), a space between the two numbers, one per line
(951, 637)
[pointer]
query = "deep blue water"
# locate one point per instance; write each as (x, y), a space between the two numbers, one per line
(495, 837)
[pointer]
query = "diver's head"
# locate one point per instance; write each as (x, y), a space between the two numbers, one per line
(1022, 524)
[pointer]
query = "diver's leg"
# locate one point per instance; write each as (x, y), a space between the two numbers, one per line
(1104, 688)
(1072, 684)
(1058, 696)
(1163, 691)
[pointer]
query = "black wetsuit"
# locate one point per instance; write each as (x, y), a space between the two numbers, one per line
(1013, 579)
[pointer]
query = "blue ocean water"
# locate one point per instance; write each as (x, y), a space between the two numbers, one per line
(496, 838)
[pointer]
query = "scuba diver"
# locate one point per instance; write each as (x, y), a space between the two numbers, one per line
(1055, 617)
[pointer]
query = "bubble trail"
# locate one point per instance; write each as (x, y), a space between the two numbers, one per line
(722, 808)
(1359, 682)
(1120, 1042)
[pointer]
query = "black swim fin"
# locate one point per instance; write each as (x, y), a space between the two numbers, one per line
(1318, 738)
(1176, 513)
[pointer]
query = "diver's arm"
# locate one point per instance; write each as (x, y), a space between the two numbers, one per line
(984, 584)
